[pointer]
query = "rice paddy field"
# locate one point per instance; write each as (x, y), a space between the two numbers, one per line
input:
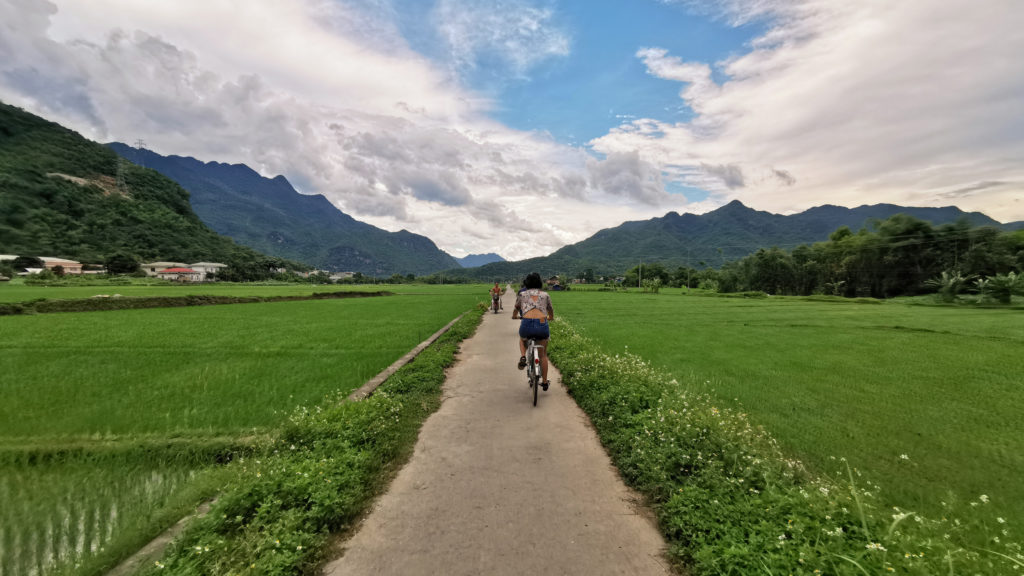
(924, 400)
(113, 423)
(18, 291)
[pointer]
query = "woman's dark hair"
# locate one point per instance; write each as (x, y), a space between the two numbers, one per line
(533, 281)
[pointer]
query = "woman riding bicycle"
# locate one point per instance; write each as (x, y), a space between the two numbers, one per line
(533, 305)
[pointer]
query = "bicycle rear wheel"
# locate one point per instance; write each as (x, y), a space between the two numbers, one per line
(536, 386)
(532, 368)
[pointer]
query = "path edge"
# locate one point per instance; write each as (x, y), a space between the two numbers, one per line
(367, 389)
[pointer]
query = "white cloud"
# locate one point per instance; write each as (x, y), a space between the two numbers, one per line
(303, 89)
(850, 103)
(514, 32)
(627, 177)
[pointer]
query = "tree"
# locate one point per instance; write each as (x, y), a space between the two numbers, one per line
(1001, 287)
(24, 262)
(121, 263)
(319, 277)
(646, 271)
(948, 285)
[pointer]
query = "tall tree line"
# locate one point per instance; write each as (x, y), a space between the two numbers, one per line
(898, 257)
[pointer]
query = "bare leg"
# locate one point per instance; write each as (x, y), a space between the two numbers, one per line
(543, 360)
(522, 346)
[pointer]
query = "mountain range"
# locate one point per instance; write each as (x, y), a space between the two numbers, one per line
(65, 196)
(709, 240)
(474, 260)
(269, 215)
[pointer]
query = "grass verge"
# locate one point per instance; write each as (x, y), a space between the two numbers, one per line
(730, 502)
(316, 477)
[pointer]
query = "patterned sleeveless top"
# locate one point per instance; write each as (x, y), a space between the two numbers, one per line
(533, 299)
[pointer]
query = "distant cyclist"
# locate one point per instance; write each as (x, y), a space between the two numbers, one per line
(533, 305)
(496, 297)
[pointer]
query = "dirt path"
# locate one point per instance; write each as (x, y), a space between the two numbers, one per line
(496, 486)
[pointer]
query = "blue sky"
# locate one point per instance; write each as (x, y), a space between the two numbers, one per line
(601, 82)
(520, 126)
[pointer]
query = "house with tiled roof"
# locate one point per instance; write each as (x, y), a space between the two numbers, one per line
(154, 268)
(180, 274)
(69, 266)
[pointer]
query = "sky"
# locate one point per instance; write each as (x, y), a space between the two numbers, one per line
(520, 126)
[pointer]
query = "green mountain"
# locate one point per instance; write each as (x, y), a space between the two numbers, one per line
(474, 260)
(65, 196)
(709, 240)
(269, 215)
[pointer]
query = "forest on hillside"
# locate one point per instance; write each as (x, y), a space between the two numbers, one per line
(64, 196)
(900, 256)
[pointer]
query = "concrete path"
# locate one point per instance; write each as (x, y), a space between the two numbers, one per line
(497, 486)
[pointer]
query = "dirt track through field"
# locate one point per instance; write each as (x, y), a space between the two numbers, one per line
(497, 486)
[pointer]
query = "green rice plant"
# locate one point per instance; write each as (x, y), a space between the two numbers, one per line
(316, 477)
(60, 517)
(209, 370)
(872, 383)
(729, 501)
(113, 422)
(14, 292)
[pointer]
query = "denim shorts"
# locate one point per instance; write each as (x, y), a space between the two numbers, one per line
(535, 328)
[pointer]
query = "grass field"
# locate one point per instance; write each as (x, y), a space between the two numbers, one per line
(112, 421)
(210, 369)
(21, 292)
(922, 399)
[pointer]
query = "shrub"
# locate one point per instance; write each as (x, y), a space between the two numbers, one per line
(1001, 287)
(948, 285)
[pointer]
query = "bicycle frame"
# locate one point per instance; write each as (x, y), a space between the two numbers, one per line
(534, 373)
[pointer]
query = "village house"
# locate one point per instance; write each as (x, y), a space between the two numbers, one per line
(180, 274)
(207, 268)
(69, 266)
(154, 268)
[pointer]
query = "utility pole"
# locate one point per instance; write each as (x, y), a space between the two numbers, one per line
(689, 267)
(139, 145)
(639, 273)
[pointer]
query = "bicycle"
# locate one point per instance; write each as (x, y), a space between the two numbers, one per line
(533, 372)
(495, 302)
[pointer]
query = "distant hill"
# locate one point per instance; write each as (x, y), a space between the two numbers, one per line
(474, 260)
(728, 233)
(60, 196)
(269, 215)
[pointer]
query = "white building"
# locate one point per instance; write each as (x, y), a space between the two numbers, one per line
(154, 268)
(180, 274)
(207, 268)
(69, 266)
